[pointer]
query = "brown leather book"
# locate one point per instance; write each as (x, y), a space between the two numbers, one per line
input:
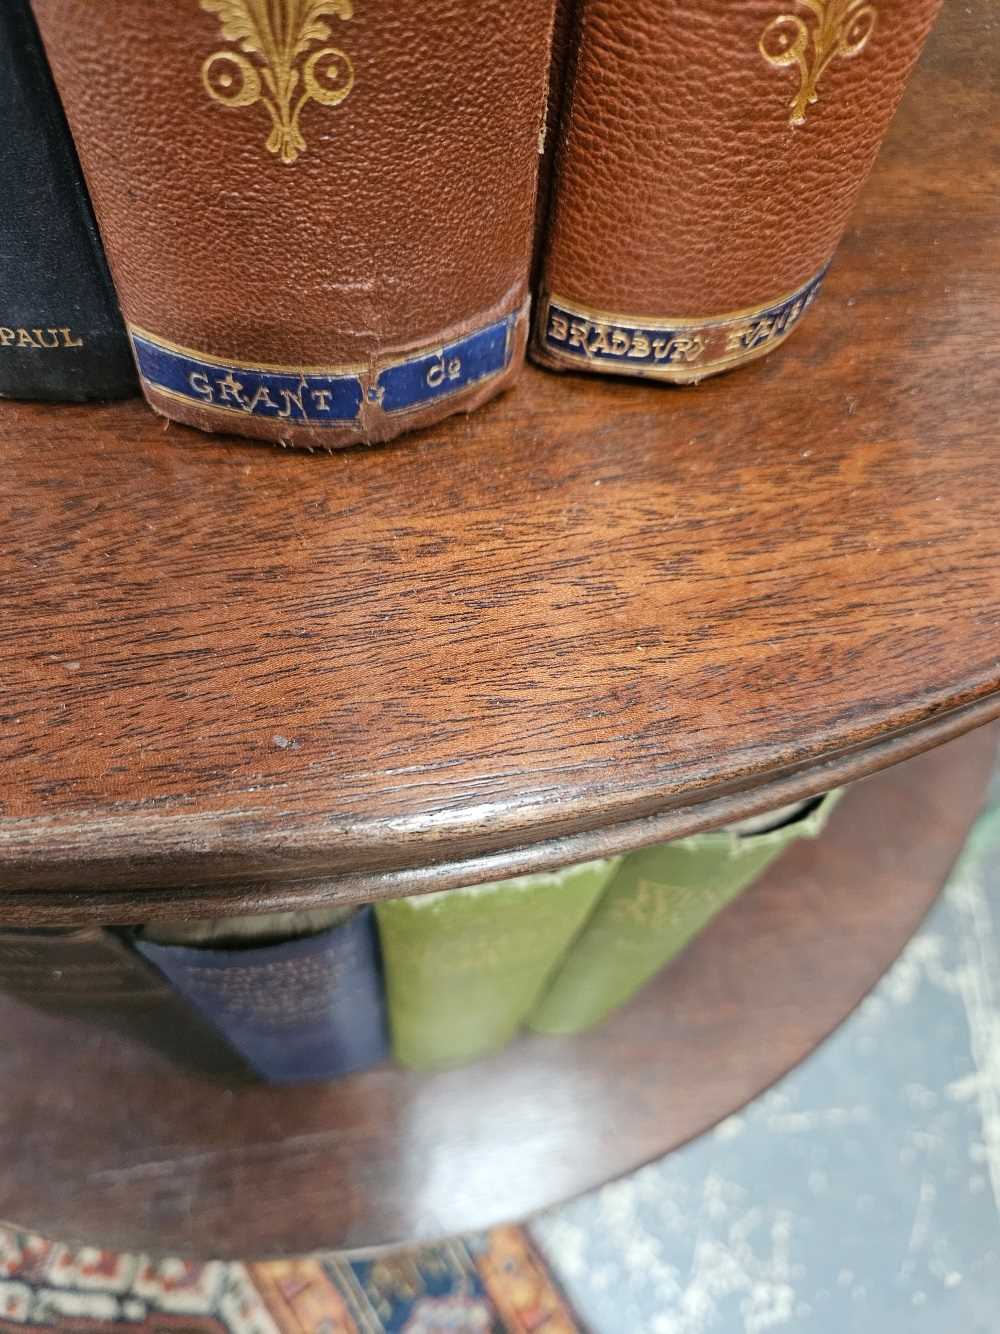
(92, 974)
(709, 159)
(318, 213)
(560, 66)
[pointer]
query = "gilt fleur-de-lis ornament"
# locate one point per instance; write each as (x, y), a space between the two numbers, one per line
(281, 60)
(837, 29)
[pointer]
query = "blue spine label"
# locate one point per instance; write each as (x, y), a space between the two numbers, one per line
(456, 366)
(282, 395)
(318, 397)
(301, 1010)
(682, 349)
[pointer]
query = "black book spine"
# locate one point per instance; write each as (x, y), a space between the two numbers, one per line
(61, 334)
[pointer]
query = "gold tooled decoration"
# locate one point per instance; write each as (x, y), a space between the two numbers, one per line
(840, 28)
(286, 74)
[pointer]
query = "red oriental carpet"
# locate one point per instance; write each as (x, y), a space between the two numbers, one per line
(496, 1283)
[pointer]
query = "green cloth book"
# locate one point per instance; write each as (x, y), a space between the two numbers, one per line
(464, 967)
(661, 898)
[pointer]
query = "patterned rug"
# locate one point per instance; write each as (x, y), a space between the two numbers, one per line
(496, 1283)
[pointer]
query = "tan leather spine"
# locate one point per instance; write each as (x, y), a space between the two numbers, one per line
(311, 206)
(710, 157)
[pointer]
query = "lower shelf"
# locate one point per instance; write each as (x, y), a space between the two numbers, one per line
(104, 1142)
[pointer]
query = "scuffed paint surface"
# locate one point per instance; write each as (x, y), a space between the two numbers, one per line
(861, 1194)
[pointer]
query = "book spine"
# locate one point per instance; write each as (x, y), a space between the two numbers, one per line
(465, 966)
(657, 903)
(710, 158)
(92, 975)
(319, 215)
(305, 1009)
(61, 334)
(559, 81)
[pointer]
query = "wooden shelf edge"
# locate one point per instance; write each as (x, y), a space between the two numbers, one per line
(178, 892)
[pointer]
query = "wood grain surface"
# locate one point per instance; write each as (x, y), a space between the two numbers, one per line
(104, 1142)
(592, 615)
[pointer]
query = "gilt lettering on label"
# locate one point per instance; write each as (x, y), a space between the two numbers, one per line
(228, 391)
(443, 370)
(597, 339)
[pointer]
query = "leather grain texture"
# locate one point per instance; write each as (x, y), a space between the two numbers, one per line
(403, 223)
(684, 189)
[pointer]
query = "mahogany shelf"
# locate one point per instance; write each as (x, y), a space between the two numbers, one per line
(595, 615)
(591, 616)
(103, 1142)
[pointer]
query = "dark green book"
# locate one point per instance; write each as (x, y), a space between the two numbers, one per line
(661, 898)
(463, 967)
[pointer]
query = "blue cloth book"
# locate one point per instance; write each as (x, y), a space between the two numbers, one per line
(304, 1009)
(61, 335)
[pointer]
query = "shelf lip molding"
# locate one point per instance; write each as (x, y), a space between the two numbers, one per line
(41, 899)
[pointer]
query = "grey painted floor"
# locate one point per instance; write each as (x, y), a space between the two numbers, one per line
(859, 1196)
